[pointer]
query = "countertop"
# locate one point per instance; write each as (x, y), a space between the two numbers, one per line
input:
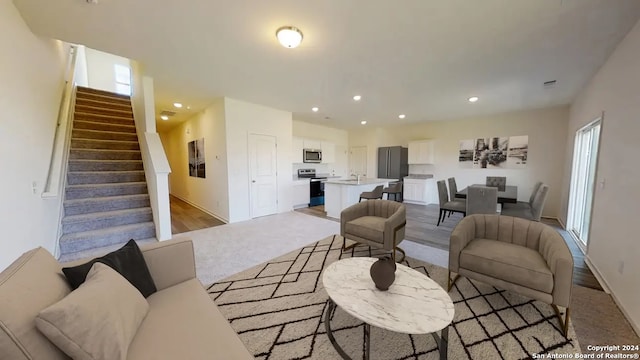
(365, 181)
(419, 176)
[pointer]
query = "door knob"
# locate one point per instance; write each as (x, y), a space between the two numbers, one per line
(253, 181)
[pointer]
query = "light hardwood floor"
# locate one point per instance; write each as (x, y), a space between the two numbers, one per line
(185, 217)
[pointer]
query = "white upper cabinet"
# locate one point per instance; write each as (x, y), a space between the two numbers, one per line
(312, 144)
(421, 152)
(328, 152)
(297, 146)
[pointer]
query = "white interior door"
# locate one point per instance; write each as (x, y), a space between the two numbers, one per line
(264, 179)
(358, 160)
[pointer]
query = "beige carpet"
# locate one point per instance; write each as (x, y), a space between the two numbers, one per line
(277, 309)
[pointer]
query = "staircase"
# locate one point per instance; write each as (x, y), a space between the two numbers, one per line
(106, 199)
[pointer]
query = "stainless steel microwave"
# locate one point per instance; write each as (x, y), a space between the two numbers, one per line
(312, 155)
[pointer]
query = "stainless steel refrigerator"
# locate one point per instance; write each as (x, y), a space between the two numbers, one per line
(393, 162)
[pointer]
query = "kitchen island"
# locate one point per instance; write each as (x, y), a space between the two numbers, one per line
(340, 194)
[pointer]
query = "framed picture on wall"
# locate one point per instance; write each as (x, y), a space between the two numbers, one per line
(196, 158)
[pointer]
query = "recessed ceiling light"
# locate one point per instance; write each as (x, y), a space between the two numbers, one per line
(289, 36)
(188, 107)
(357, 98)
(314, 109)
(402, 116)
(474, 99)
(164, 117)
(363, 122)
(178, 105)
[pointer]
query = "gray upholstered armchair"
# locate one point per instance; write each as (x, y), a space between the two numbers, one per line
(377, 223)
(519, 255)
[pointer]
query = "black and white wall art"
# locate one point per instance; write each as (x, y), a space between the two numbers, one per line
(494, 152)
(196, 158)
(466, 153)
(518, 151)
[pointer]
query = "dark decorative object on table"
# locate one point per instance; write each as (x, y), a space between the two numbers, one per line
(383, 273)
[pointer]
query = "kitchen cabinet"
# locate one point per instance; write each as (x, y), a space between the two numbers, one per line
(296, 148)
(421, 152)
(328, 152)
(301, 193)
(419, 191)
(312, 144)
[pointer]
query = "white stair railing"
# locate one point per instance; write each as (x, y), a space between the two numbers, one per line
(60, 151)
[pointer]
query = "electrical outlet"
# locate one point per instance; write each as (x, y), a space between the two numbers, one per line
(34, 187)
(621, 267)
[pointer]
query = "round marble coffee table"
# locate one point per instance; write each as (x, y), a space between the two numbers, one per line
(414, 304)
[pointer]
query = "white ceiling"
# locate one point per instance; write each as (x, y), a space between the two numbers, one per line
(422, 58)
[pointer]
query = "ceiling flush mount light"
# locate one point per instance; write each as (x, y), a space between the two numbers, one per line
(164, 117)
(178, 105)
(289, 36)
(402, 116)
(474, 99)
(357, 98)
(363, 122)
(315, 109)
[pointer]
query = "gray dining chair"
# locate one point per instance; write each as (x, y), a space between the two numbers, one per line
(531, 210)
(394, 189)
(482, 200)
(446, 205)
(374, 194)
(453, 190)
(497, 181)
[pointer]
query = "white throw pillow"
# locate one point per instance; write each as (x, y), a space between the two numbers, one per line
(98, 320)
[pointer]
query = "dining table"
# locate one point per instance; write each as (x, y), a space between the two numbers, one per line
(509, 195)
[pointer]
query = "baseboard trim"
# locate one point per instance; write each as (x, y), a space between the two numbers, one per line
(226, 221)
(597, 274)
(607, 289)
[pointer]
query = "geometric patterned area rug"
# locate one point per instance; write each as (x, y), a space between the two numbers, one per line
(278, 307)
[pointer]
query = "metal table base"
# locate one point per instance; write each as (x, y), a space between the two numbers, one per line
(442, 341)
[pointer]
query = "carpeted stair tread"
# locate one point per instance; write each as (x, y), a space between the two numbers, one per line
(105, 219)
(104, 111)
(104, 215)
(113, 235)
(105, 198)
(80, 143)
(86, 90)
(103, 135)
(105, 203)
(109, 119)
(106, 154)
(102, 98)
(75, 192)
(106, 103)
(100, 251)
(104, 177)
(103, 126)
(104, 165)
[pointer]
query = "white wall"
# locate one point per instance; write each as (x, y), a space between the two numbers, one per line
(615, 89)
(101, 73)
(211, 193)
(242, 119)
(546, 128)
(339, 137)
(31, 73)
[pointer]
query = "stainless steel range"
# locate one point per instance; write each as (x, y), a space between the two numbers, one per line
(316, 186)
